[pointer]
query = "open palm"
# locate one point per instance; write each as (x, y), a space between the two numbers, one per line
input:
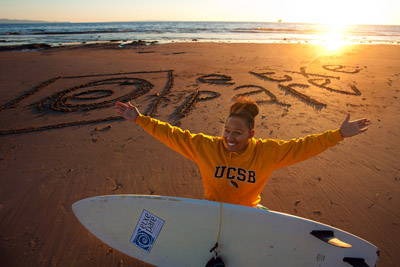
(128, 111)
(352, 128)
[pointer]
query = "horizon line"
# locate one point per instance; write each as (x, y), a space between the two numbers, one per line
(30, 21)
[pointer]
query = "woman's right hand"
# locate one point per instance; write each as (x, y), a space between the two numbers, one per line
(128, 111)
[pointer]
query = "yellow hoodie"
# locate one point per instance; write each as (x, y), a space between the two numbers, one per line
(231, 177)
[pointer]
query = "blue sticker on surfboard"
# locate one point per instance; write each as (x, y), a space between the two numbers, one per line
(147, 231)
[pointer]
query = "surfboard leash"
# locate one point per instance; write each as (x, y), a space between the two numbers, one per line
(219, 229)
(217, 261)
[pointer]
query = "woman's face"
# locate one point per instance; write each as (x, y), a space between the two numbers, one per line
(237, 134)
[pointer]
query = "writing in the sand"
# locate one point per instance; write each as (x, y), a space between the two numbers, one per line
(104, 90)
(285, 83)
(233, 173)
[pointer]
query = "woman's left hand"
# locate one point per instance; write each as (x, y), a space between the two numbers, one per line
(352, 128)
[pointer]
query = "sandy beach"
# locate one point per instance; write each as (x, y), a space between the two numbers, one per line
(61, 140)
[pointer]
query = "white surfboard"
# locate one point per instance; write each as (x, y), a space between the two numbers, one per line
(170, 231)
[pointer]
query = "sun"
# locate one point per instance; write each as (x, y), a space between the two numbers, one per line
(334, 37)
(334, 41)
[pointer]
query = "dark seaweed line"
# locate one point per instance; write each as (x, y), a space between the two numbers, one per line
(52, 80)
(302, 72)
(28, 93)
(215, 95)
(41, 104)
(166, 90)
(301, 96)
(78, 32)
(187, 107)
(59, 126)
(87, 92)
(263, 76)
(114, 74)
(324, 86)
(340, 67)
(273, 100)
(60, 101)
(216, 79)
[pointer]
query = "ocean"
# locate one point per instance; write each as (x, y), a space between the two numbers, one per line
(56, 34)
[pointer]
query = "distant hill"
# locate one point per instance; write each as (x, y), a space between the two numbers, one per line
(10, 21)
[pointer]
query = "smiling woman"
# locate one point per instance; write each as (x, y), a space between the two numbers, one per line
(239, 126)
(236, 166)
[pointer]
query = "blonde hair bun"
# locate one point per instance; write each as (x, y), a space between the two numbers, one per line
(245, 108)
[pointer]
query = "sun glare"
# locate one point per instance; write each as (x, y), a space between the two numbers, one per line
(334, 41)
(334, 37)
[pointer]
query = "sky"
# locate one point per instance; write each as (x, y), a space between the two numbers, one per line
(307, 11)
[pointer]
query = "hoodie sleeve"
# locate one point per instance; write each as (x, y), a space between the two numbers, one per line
(295, 150)
(183, 142)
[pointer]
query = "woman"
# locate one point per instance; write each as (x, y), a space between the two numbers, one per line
(236, 166)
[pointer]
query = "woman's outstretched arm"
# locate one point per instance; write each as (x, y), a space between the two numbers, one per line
(181, 141)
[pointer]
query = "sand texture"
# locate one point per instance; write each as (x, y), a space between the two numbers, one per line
(61, 140)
